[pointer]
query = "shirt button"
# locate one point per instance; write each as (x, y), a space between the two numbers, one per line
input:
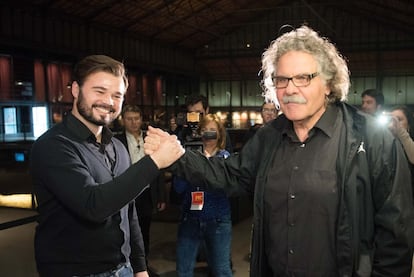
(295, 167)
(291, 224)
(291, 251)
(292, 196)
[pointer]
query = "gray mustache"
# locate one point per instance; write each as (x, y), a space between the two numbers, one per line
(294, 99)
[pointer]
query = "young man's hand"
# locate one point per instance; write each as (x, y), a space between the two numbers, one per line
(163, 148)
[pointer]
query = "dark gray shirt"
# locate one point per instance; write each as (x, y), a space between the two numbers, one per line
(85, 192)
(301, 201)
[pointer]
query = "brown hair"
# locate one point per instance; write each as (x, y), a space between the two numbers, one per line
(98, 63)
(221, 134)
(131, 108)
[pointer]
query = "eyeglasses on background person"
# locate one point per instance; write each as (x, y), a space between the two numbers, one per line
(266, 110)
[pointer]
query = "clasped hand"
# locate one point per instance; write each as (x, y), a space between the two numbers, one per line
(163, 148)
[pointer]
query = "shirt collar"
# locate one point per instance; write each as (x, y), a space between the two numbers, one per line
(131, 135)
(326, 123)
(83, 132)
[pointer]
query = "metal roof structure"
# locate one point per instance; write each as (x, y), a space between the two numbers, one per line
(228, 36)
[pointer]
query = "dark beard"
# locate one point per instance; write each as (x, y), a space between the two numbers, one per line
(86, 112)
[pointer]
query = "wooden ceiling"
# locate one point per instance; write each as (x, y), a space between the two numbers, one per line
(201, 26)
(185, 23)
(194, 23)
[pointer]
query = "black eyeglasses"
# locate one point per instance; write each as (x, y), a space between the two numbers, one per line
(301, 80)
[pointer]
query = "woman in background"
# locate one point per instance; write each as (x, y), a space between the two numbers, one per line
(206, 215)
(402, 126)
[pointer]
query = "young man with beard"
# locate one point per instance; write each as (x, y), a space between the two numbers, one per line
(85, 186)
(332, 189)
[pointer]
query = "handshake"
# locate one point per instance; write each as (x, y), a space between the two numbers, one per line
(163, 148)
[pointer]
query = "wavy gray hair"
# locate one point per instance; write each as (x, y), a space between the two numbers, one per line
(332, 67)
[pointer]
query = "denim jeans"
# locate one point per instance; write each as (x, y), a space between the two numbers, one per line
(122, 270)
(216, 234)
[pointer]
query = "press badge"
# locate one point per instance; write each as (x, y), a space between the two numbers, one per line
(197, 200)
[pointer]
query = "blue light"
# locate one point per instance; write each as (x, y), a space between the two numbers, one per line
(19, 157)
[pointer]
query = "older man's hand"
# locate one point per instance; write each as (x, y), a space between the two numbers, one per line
(163, 148)
(141, 274)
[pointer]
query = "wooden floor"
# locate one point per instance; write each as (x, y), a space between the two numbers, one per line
(17, 258)
(17, 252)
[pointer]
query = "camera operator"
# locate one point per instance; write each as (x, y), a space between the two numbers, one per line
(197, 104)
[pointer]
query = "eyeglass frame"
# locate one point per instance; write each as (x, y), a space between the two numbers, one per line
(308, 76)
(267, 110)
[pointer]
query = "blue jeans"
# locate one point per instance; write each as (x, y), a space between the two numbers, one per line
(122, 270)
(216, 234)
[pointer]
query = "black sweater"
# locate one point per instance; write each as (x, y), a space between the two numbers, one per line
(87, 223)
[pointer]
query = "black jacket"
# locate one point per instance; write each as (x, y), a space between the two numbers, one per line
(375, 214)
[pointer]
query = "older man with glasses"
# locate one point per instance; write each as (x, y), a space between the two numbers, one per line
(331, 189)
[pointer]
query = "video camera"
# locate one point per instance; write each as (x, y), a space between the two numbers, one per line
(191, 134)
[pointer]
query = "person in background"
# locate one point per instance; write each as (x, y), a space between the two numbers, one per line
(173, 126)
(372, 101)
(206, 215)
(85, 185)
(401, 126)
(332, 190)
(268, 112)
(153, 198)
(199, 104)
